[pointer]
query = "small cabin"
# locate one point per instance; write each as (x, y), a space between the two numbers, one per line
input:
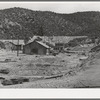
(36, 47)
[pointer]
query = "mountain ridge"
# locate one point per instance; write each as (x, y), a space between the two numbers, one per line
(24, 23)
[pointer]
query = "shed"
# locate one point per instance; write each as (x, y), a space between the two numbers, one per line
(9, 45)
(36, 47)
(12, 44)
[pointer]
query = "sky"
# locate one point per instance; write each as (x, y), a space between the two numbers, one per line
(58, 7)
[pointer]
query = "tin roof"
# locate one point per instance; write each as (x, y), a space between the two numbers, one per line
(21, 42)
(58, 39)
(43, 40)
(34, 38)
(53, 39)
(43, 44)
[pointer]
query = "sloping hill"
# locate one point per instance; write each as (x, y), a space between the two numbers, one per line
(88, 21)
(24, 23)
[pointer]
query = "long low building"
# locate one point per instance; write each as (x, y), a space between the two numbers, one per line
(12, 44)
(14, 41)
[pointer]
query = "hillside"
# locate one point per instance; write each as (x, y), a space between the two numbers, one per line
(24, 23)
(89, 22)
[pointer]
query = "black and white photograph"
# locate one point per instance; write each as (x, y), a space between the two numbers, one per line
(50, 45)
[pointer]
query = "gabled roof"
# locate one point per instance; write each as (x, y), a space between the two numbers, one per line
(38, 38)
(43, 44)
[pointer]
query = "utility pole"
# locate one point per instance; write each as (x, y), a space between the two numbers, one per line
(12, 43)
(18, 46)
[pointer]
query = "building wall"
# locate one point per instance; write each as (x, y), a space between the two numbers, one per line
(59, 46)
(34, 48)
(10, 46)
(18, 47)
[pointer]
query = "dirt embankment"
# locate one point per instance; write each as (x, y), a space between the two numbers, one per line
(90, 78)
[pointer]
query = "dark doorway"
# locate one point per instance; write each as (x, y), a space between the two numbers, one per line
(34, 51)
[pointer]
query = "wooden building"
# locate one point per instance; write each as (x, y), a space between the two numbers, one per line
(44, 42)
(36, 47)
(9, 45)
(13, 44)
(58, 42)
(59, 46)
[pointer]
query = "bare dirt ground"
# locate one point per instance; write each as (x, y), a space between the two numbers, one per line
(89, 78)
(43, 71)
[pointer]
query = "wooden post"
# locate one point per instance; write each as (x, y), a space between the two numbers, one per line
(18, 47)
(12, 43)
